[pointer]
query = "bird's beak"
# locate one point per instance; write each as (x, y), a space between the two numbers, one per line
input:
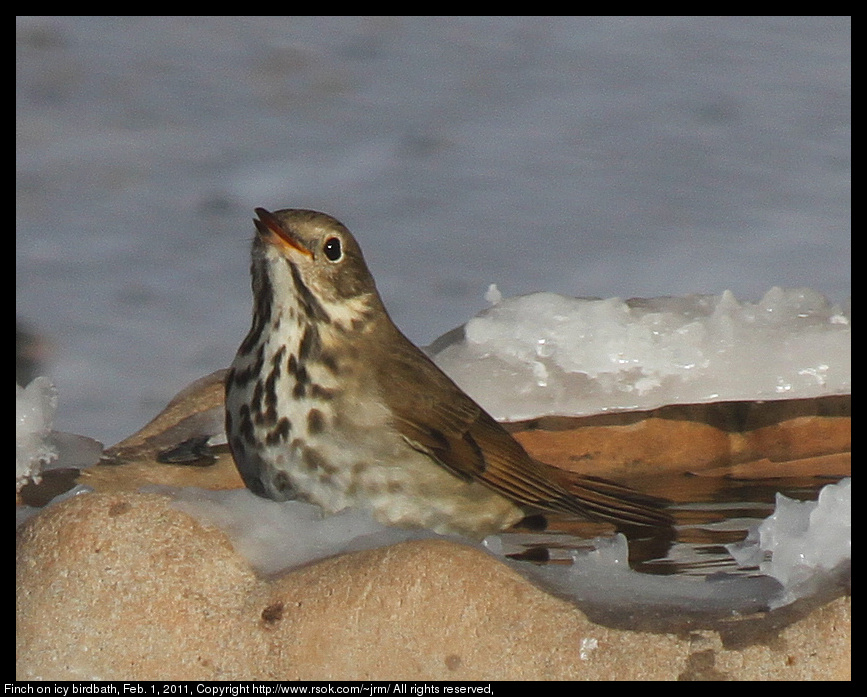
(272, 231)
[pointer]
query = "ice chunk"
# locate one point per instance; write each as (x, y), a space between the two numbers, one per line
(544, 353)
(802, 542)
(35, 406)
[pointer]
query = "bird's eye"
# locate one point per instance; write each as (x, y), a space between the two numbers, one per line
(332, 249)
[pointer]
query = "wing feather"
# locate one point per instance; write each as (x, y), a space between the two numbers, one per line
(439, 419)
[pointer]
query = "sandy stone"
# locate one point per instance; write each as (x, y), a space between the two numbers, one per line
(132, 475)
(123, 586)
(650, 446)
(798, 437)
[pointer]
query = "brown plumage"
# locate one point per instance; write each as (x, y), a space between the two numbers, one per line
(329, 402)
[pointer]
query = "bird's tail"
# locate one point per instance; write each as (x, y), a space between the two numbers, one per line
(601, 499)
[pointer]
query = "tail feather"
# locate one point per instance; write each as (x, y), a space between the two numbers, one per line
(603, 499)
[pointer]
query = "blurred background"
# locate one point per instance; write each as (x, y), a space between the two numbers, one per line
(585, 156)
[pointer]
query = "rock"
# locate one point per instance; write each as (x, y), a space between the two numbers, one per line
(793, 437)
(124, 586)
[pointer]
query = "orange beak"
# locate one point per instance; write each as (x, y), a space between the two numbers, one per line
(272, 231)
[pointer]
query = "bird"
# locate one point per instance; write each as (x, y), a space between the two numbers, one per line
(328, 402)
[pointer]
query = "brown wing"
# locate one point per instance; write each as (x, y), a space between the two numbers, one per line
(439, 419)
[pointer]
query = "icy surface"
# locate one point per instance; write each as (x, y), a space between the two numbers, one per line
(34, 409)
(802, 542)
(601, 576)
(807, 541)
(275, 536)
(550, 354)
(37, 446)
